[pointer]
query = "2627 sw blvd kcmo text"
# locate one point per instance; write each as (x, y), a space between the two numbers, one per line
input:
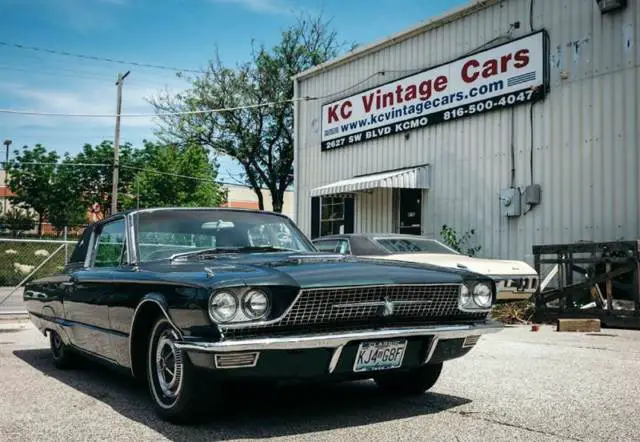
(505, 75)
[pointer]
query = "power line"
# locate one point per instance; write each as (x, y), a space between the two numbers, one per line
(95, 58)
(159, 114)
(123, 166)
(84, 75)
(196, 112)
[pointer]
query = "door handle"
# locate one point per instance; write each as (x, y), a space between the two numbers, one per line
(68, 284)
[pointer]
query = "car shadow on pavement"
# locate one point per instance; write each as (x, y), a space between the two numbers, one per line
(251, 413)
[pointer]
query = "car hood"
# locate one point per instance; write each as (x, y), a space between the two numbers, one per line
(306, 270)
(489, 267)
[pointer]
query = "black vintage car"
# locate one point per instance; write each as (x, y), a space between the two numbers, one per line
(171, 295)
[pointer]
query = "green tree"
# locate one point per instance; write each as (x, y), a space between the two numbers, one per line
(17, 221)
(260, 139)
(175, 176)
(94, 173)
(67, 207)
(30, 175)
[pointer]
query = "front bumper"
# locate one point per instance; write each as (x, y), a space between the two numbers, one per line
(327, 352)
(515, 287)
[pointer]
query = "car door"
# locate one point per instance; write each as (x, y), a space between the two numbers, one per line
(87, 302)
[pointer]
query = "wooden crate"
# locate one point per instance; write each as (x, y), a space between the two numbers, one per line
(578, 325)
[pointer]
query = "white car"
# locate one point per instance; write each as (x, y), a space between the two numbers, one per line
(515, 280)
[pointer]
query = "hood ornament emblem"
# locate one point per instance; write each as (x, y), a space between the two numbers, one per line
(387, 308)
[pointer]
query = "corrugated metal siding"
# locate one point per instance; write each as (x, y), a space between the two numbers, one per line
(374, 211)
(586, 152)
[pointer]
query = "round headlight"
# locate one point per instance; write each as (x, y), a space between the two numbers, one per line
(482, 295)
(255, 304)
(223, 306)
(465, 295)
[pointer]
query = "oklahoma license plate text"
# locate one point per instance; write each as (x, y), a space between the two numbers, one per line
(383, 355)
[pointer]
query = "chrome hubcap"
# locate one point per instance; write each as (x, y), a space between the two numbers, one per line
(168, 365)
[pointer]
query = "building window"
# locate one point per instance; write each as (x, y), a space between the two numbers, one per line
(331, 215)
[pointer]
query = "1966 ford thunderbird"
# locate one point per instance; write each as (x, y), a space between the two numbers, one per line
(172, 295)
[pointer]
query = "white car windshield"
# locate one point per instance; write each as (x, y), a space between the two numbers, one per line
(163, 233)
(413, 245)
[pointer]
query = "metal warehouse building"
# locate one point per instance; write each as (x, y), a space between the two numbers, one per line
(517, 118)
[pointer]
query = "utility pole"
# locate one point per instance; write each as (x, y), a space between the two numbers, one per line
(116, 146)
(6, 143)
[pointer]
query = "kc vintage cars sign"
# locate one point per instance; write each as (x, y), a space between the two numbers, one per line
(503, 76)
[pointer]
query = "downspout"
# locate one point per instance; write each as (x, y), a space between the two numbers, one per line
(296, 139)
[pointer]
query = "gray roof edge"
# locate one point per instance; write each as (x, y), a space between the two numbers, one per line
(433, 23)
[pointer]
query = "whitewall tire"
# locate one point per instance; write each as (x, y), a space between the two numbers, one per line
(170, 376)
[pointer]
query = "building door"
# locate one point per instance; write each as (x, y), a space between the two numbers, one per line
(410, 209)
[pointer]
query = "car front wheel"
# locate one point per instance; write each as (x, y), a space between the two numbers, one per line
(170, 376)
(413, 382)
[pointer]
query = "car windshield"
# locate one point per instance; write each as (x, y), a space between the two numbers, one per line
(163, 233)
(414, 245)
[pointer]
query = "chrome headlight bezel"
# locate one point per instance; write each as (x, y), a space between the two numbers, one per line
(471, 293)
(239, 299)
(231, 298)
(246, 301)
(482, 295)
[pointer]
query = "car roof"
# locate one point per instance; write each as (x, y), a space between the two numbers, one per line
(216, 209)
(370, 236)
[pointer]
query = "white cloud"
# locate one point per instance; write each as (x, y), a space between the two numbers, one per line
(263, 6)
(85, 98)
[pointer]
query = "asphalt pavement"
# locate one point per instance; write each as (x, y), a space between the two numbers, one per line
(515, 385)
(11, 302)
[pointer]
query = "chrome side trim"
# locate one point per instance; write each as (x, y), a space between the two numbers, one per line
(133, 321)
(333, 363)
(44, 323)
(338, 339)
(142, 282)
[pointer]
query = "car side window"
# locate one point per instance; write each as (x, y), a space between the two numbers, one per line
(111, 245)
(343, 247)
(326, 246)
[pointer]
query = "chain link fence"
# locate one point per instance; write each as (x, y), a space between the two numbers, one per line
(22, 260)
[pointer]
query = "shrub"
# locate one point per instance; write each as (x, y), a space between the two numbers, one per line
(518, 312)
(17, 221)
(459, 244)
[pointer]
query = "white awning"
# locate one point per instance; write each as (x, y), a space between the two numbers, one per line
(409, 178)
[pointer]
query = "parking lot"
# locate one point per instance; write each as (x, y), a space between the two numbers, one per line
(515, 385)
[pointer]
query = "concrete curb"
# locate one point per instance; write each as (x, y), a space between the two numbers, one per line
(14, 316)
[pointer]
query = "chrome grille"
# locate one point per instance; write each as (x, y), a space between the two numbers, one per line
(343, 304)
(328, 309)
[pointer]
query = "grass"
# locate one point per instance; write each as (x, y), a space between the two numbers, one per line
(18, 259)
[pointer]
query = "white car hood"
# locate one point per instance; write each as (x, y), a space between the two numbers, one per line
(489, 267)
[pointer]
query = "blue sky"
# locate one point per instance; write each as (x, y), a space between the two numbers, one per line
(177, 33)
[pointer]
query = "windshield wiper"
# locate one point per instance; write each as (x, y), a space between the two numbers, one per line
(260, 249)
(194, 253)
(218, 250)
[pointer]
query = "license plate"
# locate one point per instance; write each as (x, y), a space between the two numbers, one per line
(382, 355)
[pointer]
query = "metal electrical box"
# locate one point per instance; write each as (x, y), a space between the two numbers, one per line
(510, 201)
(532, 194)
